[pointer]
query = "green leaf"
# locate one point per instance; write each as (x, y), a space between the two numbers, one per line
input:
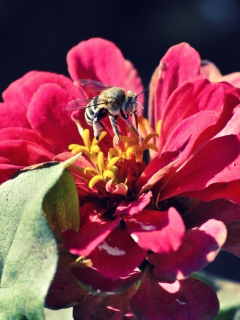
(28, 250)
(229, 298)
(61, 206)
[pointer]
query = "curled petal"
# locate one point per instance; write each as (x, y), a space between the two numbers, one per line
(134, 207)
(119, 188)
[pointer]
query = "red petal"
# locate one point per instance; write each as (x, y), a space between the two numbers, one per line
(157, 231)
(134, 83)
(95, 282)
(64, 290)
(232, 127)
(28, 87)
(114, 307)
(216, 162)
(135, 206)
(191, 133)
(181, 63)
(156, 169)
(188, 299)
(232, 243)
(11, 94)
(97, 59)
(227, 190)
(199, 247)
(24, 134)
(13, 115)
(192, 97)
(89, 236)
(17, 154)
(48, 116)
(219, 209)
(118, 255)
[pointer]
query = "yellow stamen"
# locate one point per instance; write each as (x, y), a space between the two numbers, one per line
(91, 149)
(95, 180)
(86, 139)
(112, 162)
(108, 174)
(100, 162)
(149, 137)
(159, 124)
(91, 170)
(144, 126)
(149, 146)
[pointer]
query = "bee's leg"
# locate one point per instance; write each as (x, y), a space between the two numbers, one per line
(113, 121)
(97, 128)
(128, 122)
(97, 125)
(131, 126)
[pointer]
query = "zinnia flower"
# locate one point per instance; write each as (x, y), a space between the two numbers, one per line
(156, 207)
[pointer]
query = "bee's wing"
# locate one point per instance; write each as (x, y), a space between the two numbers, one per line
(91, 86)
(83, 104)
(77, 104)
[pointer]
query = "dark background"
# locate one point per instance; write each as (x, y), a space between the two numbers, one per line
(36, 35)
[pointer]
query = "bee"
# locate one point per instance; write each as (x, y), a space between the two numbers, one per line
(108, 101)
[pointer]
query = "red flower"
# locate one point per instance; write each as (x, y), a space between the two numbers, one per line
(163, 219)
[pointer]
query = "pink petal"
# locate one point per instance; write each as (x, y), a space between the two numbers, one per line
(97, 59)
(49, 119)
(135, 206)
(216, 162)
(232, 127)
(31, 84)
(181, 63)
(95, 282)
(160, 232)
(119, 188)
(18, 133)
(118, 255)
(156, 169)
(17, 154)
(89, 236)
(199, 247)
(233, 79)
(191, 133)
(187, 299)
(227, 190)
(210, 71)
(134, 83)
(13, 115)
(192, 97)
(11, 94)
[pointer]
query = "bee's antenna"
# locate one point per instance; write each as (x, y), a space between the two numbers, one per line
(142, 92)
(139, 104)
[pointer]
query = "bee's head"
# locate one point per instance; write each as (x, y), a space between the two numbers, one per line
(130, 103)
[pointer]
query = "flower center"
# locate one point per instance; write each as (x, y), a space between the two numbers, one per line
(116, 170)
